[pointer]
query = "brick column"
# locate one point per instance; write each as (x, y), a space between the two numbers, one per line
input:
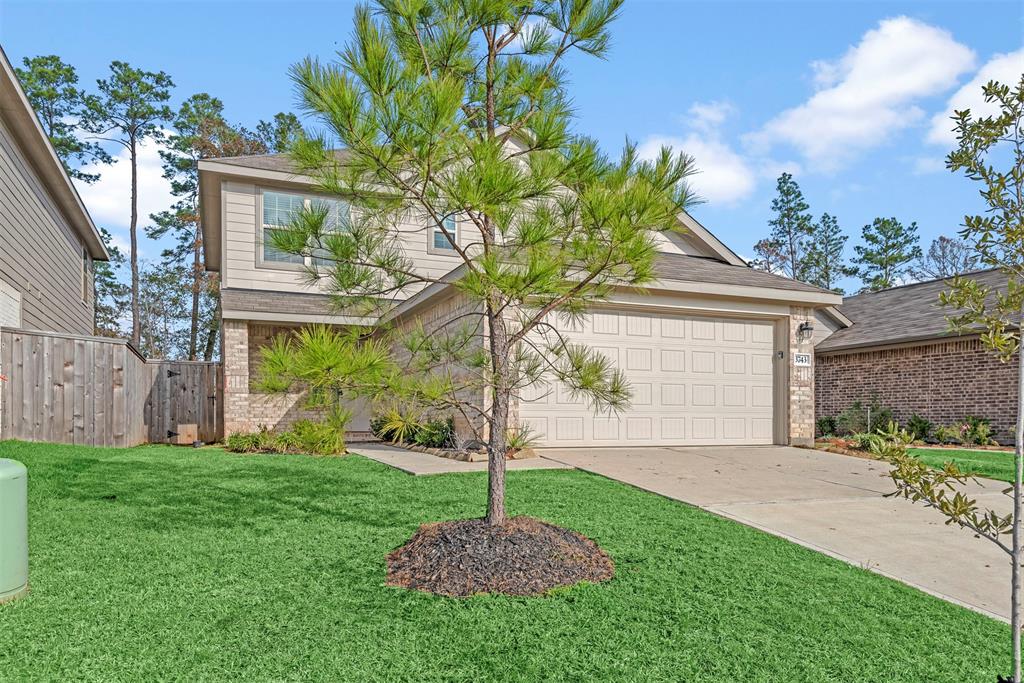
(801, 381)
(235, 348)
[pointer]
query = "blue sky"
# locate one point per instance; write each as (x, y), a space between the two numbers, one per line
(849, 96)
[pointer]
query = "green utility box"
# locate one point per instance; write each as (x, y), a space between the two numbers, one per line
(13, 530)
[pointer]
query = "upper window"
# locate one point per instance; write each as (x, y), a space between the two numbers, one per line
(86, 280)
(335, 221)
(441, 233)
(279, 210)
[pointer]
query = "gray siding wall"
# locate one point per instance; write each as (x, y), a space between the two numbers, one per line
(40, 254)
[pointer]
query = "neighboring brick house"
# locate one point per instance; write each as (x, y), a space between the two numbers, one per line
(899, 351)
(717, 353)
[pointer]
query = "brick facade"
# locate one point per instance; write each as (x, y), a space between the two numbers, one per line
(942, 381)
(245, 408)
(445, 317)
(801, 381)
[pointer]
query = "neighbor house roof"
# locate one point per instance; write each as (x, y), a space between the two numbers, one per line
(21, 119)
(899, 315)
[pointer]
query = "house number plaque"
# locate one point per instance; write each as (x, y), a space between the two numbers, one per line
(802, 360)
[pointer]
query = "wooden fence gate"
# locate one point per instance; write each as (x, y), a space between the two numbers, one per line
(185, 402)
(100, 392)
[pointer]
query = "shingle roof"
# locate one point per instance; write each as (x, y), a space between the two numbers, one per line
(269, 162)
(696, 269)
(901, 314)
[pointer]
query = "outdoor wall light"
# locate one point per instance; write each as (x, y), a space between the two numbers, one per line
(805, 331)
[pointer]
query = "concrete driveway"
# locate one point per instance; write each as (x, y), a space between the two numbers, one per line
(830, 503)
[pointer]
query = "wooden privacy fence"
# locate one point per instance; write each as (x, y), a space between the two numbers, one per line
(101, 392)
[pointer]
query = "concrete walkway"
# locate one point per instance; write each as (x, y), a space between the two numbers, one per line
(414, 462)
(830, 503)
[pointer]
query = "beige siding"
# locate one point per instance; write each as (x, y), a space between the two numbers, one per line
(682, 243)
(40, 255)
(243, 235)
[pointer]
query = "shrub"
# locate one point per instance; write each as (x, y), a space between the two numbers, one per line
(305, 436)
(976, 430)
(919, 428)
(318, 438)
(435, 433)
(397, 425)
(520, 438)
(865, 441)
(854, 420)
(827, 426)
(947, 434)
(249, 442)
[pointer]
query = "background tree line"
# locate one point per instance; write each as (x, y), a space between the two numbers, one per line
(889, 253)
(168, 307)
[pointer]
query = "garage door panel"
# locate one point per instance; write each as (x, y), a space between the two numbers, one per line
(694, 380)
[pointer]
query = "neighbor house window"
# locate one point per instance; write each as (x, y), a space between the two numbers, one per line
(337, 219)
(441, 232)
(279, 210)
(86, 280)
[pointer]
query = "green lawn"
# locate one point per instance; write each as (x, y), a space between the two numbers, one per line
(159, 563)
(991, 464)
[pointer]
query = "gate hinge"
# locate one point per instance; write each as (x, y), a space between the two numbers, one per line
(172, 373)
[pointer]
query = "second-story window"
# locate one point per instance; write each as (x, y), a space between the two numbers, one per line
(279, 210)
(336, 220)
(441, 233)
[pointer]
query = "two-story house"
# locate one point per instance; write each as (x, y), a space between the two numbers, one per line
(716, 352)
(47, 240)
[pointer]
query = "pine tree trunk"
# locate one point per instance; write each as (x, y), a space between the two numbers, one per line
(197, 283)
(1018, 477)
(497, 446)
(133, 228)
(211, 333)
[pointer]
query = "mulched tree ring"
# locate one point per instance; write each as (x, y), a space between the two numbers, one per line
(524, 556)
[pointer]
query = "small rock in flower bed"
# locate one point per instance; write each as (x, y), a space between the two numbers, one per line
(523, 556)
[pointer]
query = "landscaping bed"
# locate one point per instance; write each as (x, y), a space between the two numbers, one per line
(162, 563)
(524, 556)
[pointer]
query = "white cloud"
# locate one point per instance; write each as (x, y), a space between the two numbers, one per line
(869, 92)
(1005, 68)
(109, 199)
(725, 176)
(709, 116)
(927, 165)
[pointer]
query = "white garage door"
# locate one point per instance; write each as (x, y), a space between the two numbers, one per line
(695, 381)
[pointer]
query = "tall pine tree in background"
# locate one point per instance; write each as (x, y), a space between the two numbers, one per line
(128, 110)
(888, 252)
(791, 227)
(51, 86)
(199, 131)
(280, 133)
(824, 266)
(112, 295)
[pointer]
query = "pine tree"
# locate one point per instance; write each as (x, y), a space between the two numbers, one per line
(111, 294)
(824, 260)
(198, 131)
(460, 111)
(886, 256)
(51, 87)
(791, 226)
(278, 134)
(128, 110)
